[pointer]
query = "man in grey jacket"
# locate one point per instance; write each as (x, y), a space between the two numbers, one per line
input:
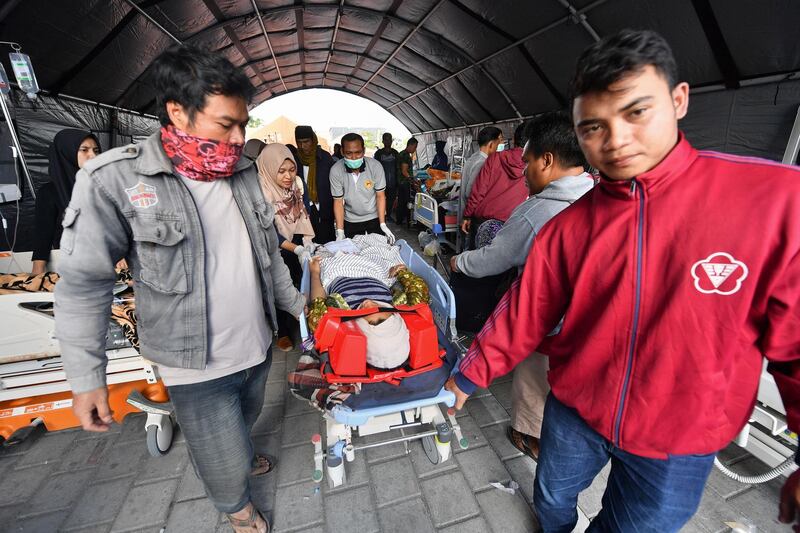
(187, 213)
(556, 178)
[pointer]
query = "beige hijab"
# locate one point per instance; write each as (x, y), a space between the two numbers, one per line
(291, 217)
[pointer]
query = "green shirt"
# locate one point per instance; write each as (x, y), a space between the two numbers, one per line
(404, 157)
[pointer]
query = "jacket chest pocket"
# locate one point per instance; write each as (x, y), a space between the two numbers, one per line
(160, 248)
(266, 223)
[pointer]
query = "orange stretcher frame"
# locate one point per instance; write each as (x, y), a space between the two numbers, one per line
(56, 409)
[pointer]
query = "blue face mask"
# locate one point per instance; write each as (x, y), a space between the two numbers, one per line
(354, 164)
(501, 147)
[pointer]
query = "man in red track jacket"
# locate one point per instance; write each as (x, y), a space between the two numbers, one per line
(500, 185)
(674, 278)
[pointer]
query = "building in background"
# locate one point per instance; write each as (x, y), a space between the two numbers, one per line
(280, 130)
(372, 137)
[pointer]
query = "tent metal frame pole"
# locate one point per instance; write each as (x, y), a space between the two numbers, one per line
(62, 96)
(376, 36)
(532, 63)
(506, 48)
(719, 46)
(269, 43)
(477, 125)
(17, 145)
(580, 18)
(748, 82)
(793, 146)
(500, 89)
(212, 6)
(153, 21)
(413, 31)
(333, 40)
(301, 42)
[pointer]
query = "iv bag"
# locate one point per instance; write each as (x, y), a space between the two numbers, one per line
(5, 87)
(23, 70)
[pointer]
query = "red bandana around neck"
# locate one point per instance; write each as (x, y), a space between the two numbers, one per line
(197, 158)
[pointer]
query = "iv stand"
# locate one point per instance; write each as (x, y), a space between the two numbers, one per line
(17, 145)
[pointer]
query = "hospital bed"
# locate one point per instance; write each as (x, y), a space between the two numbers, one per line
(34, 392)
(427, 415)
(426, 212)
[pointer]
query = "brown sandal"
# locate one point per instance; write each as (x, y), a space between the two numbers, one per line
(527, 444)
(262, 464)
(254, 524)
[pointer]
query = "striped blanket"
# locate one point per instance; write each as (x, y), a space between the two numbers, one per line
(374, 260)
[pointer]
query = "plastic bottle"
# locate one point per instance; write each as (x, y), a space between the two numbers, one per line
(23, 70)
(432, 248)
(425, 238)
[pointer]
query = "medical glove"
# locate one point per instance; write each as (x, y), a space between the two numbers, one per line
(386, 231)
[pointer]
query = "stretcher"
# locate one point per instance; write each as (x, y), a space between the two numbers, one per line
(429, 418)
(33, 386)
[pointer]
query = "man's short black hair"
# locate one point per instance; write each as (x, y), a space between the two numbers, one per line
(352, 137)
(412, 142)
(520, 137)
(387, 134)
(622, 54)
(552, 132)
(188, 74)
(488, 134)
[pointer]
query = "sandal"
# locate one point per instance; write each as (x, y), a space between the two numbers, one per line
(254, 524)
(285, 344)
(262, 464)
(527, 444)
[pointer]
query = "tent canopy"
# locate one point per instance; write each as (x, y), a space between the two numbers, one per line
(433, 64)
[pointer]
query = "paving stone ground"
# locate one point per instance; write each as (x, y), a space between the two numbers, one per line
(73, 481)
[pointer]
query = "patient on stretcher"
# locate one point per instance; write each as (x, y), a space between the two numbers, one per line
(363, 280)
(363, 273)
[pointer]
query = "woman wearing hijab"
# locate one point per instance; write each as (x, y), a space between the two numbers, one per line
(70, 150)
(278, 171)
(440, 159)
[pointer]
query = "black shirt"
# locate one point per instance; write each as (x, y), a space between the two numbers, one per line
(388, 159)
(48, 223)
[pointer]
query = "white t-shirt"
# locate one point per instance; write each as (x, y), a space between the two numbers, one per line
(238, 333)
(305, 173)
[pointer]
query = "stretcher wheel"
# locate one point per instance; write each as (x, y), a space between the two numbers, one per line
(159, 438)
(429, 445)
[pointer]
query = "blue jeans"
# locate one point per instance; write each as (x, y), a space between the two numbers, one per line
(216, 417)
(642, 495)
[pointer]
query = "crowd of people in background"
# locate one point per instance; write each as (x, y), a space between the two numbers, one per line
(553, 270)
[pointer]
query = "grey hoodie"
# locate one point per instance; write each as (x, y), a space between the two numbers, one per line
(511, 244)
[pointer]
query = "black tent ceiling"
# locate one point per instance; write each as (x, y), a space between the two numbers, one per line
(434, 64)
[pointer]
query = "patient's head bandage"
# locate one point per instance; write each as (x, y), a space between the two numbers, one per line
(387, 343)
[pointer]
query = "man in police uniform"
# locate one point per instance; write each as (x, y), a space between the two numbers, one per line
(358, 186)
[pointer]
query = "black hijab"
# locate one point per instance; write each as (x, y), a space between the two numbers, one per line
(64, 162)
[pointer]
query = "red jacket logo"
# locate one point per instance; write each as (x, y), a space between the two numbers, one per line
(719, 273)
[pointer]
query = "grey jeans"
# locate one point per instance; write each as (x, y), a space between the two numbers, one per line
(216, 417)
